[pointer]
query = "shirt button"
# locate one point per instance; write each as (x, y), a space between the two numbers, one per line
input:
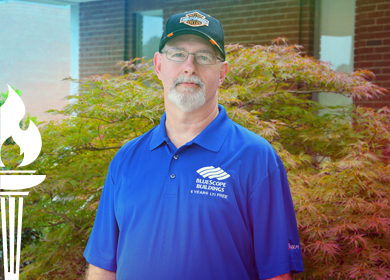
(175, 156)
(173, 176)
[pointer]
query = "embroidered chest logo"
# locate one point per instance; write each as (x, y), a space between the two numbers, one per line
(195, 20)
(212, 172)
(209, 186)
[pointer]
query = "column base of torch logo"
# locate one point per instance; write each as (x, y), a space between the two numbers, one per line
(11, 272)
(14, 182)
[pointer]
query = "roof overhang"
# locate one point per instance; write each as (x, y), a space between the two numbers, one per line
(59, 2)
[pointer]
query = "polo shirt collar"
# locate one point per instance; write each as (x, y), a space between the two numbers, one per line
(159, 134)
(211, 138)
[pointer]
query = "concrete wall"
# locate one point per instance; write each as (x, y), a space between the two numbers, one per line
(35, 54)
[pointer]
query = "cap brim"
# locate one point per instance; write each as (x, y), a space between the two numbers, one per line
(193, 32)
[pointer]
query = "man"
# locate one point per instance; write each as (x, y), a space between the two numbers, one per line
(198, 197)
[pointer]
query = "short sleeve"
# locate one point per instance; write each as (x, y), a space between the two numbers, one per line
(273, 223)
(102, 244)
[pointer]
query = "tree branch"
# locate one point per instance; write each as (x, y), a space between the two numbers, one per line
(62, 216)
(58, 214)
(103, 120)
(314, 91)
(98, 149)
(56, 224)
(372, 138)
(119, 120)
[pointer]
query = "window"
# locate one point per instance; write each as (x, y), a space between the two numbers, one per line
(149, 28)
(335, 41)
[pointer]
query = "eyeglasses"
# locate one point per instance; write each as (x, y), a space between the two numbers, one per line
(202, 58)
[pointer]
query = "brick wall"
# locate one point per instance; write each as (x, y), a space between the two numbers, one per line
(306, 37)
(256, 22)
(372, 44)
(102, 37)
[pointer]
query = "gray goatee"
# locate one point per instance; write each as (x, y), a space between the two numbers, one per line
(188, 99)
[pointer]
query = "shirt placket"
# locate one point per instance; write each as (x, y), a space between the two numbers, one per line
(172, 182)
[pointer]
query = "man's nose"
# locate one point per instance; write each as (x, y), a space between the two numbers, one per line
(190, 65)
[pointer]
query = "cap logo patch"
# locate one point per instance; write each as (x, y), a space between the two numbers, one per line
(194, 20)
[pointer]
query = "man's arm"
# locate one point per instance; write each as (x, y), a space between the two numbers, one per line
(97, 273)
(287, 276)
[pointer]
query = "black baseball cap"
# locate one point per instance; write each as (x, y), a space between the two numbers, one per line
(195, 23)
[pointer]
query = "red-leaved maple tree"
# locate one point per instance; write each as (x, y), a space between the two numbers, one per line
(335, 157)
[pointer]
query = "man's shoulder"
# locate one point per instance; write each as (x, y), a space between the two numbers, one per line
(244, 136)
(253, 148)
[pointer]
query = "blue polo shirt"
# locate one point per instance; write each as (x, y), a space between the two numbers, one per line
(218, 207)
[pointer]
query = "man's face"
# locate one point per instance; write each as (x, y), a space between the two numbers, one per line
(188, 84)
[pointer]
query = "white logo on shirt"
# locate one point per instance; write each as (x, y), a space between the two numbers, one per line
(212, 172)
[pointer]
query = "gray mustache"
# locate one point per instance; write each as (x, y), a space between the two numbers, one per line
(193, 79)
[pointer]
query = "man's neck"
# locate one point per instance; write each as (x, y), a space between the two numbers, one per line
(182, 127)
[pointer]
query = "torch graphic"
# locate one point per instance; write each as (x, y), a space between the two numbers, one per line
(30, 143)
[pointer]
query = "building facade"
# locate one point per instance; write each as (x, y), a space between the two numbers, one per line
(351, 34)
(49, 40)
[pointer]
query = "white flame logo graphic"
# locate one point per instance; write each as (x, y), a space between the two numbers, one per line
(29, 141)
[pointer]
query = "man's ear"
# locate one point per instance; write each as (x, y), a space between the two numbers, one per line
(223, 72)
(157, 64)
